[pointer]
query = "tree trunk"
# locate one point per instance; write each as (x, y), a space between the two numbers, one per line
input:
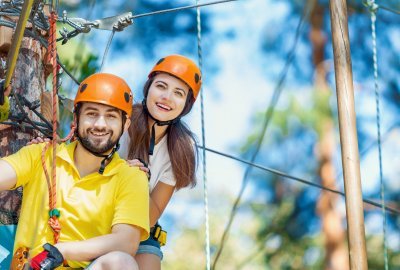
(336, 254)
(29, 82)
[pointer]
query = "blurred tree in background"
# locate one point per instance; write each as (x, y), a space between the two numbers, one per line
(279, 224)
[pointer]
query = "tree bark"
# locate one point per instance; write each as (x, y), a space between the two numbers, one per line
(28, 81)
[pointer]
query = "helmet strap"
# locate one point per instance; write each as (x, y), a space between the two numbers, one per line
(107, 158)
(158, 123)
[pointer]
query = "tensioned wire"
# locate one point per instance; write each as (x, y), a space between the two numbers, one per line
(203, 139)
(389, 9)
(393, 211)
(106, 50)
(373, 8)
(179, 9)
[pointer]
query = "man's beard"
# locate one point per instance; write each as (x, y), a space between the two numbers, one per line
(97, 148)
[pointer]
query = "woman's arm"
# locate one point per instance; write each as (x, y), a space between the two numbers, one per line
(159, 199)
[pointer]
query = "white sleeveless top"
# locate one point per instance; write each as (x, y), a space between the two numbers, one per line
(159, 163)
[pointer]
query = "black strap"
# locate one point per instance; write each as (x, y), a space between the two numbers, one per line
(147, 166)
(158, 123)
(152, 139)
(106, 157)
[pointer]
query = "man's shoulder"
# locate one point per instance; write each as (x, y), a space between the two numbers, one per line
(33, 148)
(125, 169)
(130, 172)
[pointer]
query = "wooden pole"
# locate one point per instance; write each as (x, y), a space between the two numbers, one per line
(348, 135)
(17, 39)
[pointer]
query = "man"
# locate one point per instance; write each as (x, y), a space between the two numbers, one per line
(101, 203)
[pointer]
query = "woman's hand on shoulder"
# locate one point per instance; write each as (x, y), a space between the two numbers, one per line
(38, 140)
(142, 166)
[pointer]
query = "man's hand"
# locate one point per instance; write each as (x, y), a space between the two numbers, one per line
(48, 259)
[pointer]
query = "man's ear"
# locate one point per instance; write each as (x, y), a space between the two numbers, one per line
(74, 120)
(127, 123)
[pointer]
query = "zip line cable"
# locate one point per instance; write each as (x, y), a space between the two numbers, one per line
(389, 9)
(78, 56)
(118, 22)
(67, 71)
(106, 50)
(268, 116)
(179, 9)
(393, 211)
(203, 139)
(38, 19)
(373, 8)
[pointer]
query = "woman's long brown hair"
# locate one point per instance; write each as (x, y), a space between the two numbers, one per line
(181, 142)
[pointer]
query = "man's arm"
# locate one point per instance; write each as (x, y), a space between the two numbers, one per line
(123, 238)
(8, 176)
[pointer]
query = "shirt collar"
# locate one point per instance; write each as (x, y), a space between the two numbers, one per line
(66, 153)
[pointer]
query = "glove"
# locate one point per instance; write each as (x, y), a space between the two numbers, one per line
(48, 259)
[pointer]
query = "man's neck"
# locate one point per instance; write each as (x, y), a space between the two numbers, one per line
(86, 162)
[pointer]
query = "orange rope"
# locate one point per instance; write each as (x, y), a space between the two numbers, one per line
(51, 183)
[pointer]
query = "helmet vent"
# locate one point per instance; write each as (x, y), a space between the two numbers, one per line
(127, 97)
(83, 88)
(160, 61)
(196, 78)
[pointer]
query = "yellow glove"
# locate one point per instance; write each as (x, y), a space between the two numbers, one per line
(4, 110)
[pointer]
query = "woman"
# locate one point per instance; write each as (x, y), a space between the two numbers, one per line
(157, 137)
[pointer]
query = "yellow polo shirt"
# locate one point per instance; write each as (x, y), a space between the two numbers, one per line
(89, 206)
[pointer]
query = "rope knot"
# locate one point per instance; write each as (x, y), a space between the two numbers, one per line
(55, 225)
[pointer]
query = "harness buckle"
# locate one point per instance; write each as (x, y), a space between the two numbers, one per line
(159, 234)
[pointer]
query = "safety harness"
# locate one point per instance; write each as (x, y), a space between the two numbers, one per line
(158, 234)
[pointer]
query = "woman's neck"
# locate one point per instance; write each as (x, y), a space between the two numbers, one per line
(160, 130)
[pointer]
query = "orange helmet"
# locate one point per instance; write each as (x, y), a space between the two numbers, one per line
(181, 67)
(107, 89)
